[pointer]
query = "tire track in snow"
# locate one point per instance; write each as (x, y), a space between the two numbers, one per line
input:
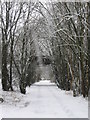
(62, 105)
(47, 104)
(51, 91)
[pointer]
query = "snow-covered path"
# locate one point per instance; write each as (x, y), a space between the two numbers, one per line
(45, 100)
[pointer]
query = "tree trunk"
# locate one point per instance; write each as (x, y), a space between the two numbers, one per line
(11, 59)
(83, 79)
(5, 76)
(22, 85)
(88, 38)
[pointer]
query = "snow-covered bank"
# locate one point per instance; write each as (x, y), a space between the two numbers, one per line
(43, 100)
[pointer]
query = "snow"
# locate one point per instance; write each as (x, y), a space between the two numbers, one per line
(43, 100)
(0, 112)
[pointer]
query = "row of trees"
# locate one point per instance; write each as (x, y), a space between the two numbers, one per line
(18, 50)
(69, 40)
